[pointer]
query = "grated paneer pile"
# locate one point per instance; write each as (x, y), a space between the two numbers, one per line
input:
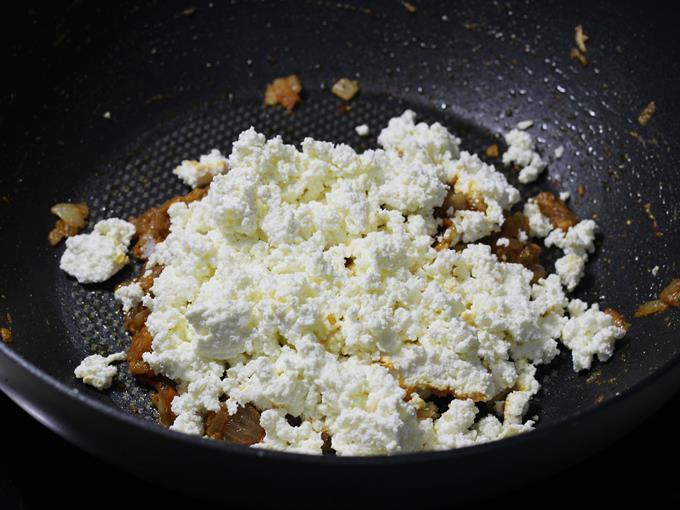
(307, 283)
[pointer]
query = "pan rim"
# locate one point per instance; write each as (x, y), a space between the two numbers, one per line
(115, 413)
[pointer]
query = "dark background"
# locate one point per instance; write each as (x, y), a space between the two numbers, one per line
(38, 469)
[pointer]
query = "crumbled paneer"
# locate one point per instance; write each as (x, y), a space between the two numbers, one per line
(281, 435)
(521, 152)
(576, 243)
(199, 173)
(589, 333)
(306, 283)
(362, 130)
(96, 370)
(539, 225)
(97, 256)
(129, 295)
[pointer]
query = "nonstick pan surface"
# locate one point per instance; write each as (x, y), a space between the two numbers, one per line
(101, 101)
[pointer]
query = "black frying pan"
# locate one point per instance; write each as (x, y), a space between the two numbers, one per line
(180, 78)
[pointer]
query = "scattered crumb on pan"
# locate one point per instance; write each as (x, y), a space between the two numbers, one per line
(650, 215)
(576, 54)
(187, 12)
(579, 53)
(638, 137)
(159, 97)
(581, 190)
(6, 335)
(345, 88)
(492, 151)
(647, 113)
(581, 38)
(409, 7)
(344, 108)
(284, 91)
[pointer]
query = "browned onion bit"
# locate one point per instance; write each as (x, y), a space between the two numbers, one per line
(243, 427)
(6, 335)
(74, 215)
(650, 308)
(327, 447)
(345, 88)
(518, 252)
(618, 318)
(556, 210)
(162, 399)
(72, 219)
(671, 294)
(284, 91)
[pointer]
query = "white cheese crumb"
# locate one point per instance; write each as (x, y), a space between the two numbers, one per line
(129, 295)
(525, 124)
(564, 196)
(200, 173)
(530, 173)
(655, 270)
(589, 333)
(576, 243)
(570, 268)
(419, 142)
(280, 435)
(503, 241)
(521, 152)
(107, 115)
(362, 130)
(97, 256)
(559, 152)
(539, 224)
(96, 370)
